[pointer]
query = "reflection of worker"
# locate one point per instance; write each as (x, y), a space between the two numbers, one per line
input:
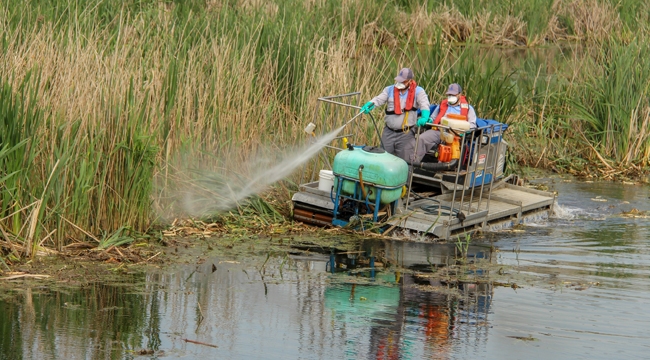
(403, 100)
(455, 103)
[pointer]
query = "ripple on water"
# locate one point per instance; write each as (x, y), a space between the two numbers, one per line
(584, 279)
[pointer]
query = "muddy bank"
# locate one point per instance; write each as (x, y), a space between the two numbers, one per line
(188, 242)
(127, 266)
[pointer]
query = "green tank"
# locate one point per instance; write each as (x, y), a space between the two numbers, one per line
(379, 168)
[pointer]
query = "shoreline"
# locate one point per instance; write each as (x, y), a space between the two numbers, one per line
(177, 241)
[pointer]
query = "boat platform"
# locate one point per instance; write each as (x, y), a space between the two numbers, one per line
(501, 206)
(506, 206)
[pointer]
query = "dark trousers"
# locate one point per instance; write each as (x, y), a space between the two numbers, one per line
(399, 143)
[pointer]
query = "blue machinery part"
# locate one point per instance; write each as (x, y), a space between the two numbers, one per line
(358, 199)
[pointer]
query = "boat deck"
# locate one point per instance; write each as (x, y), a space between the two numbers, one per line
(505, 206)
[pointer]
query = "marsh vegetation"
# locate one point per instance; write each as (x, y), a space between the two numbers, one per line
(106, 107)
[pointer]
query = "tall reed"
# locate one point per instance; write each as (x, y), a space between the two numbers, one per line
(612, 101)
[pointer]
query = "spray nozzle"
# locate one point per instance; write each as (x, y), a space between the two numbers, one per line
(309, 129)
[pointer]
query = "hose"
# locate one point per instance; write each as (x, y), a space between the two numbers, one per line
(363, 189)
(436, 166)
(377, 130)
(435, 209)
(438, 209)
(370, 207)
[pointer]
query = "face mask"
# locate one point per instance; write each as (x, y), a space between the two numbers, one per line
(400, 86)
(452, 99)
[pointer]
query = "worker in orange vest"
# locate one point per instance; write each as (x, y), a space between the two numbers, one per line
(455, 103)
(402, 100)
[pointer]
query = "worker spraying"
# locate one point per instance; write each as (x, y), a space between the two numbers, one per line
(403, 100)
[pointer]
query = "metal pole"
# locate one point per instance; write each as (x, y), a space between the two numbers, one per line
(415, 151)
(465, 139)
(460, 163)
(495, 161)
(476, 151)
(354, 117)
(339, 96)
(340, 103)
(487, 156)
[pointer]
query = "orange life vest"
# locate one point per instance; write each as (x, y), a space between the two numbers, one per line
(409, 98)
(444, 104)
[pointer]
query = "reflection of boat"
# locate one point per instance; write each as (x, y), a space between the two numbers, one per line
(397, 312)
(424, 256)
(463, 191)
(352, 302)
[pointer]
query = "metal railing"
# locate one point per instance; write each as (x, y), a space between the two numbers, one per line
(475, 164)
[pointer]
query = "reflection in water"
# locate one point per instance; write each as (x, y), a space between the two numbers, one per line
(397, 315)
(341, 304)
(86, 323)
(405, 322)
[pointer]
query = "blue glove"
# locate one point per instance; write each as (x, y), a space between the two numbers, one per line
(367, 108)
(424, 119)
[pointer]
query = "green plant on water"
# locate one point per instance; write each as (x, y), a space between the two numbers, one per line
(264, 210)
(434, 267)
(121, 236)
(462, 245)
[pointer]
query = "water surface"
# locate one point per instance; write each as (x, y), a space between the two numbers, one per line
(581, 290)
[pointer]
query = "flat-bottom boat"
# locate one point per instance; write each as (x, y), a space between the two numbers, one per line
(456, 190)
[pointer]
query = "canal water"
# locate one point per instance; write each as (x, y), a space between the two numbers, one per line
(575, 286)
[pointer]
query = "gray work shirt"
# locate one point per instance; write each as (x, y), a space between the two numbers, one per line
(394, 121)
